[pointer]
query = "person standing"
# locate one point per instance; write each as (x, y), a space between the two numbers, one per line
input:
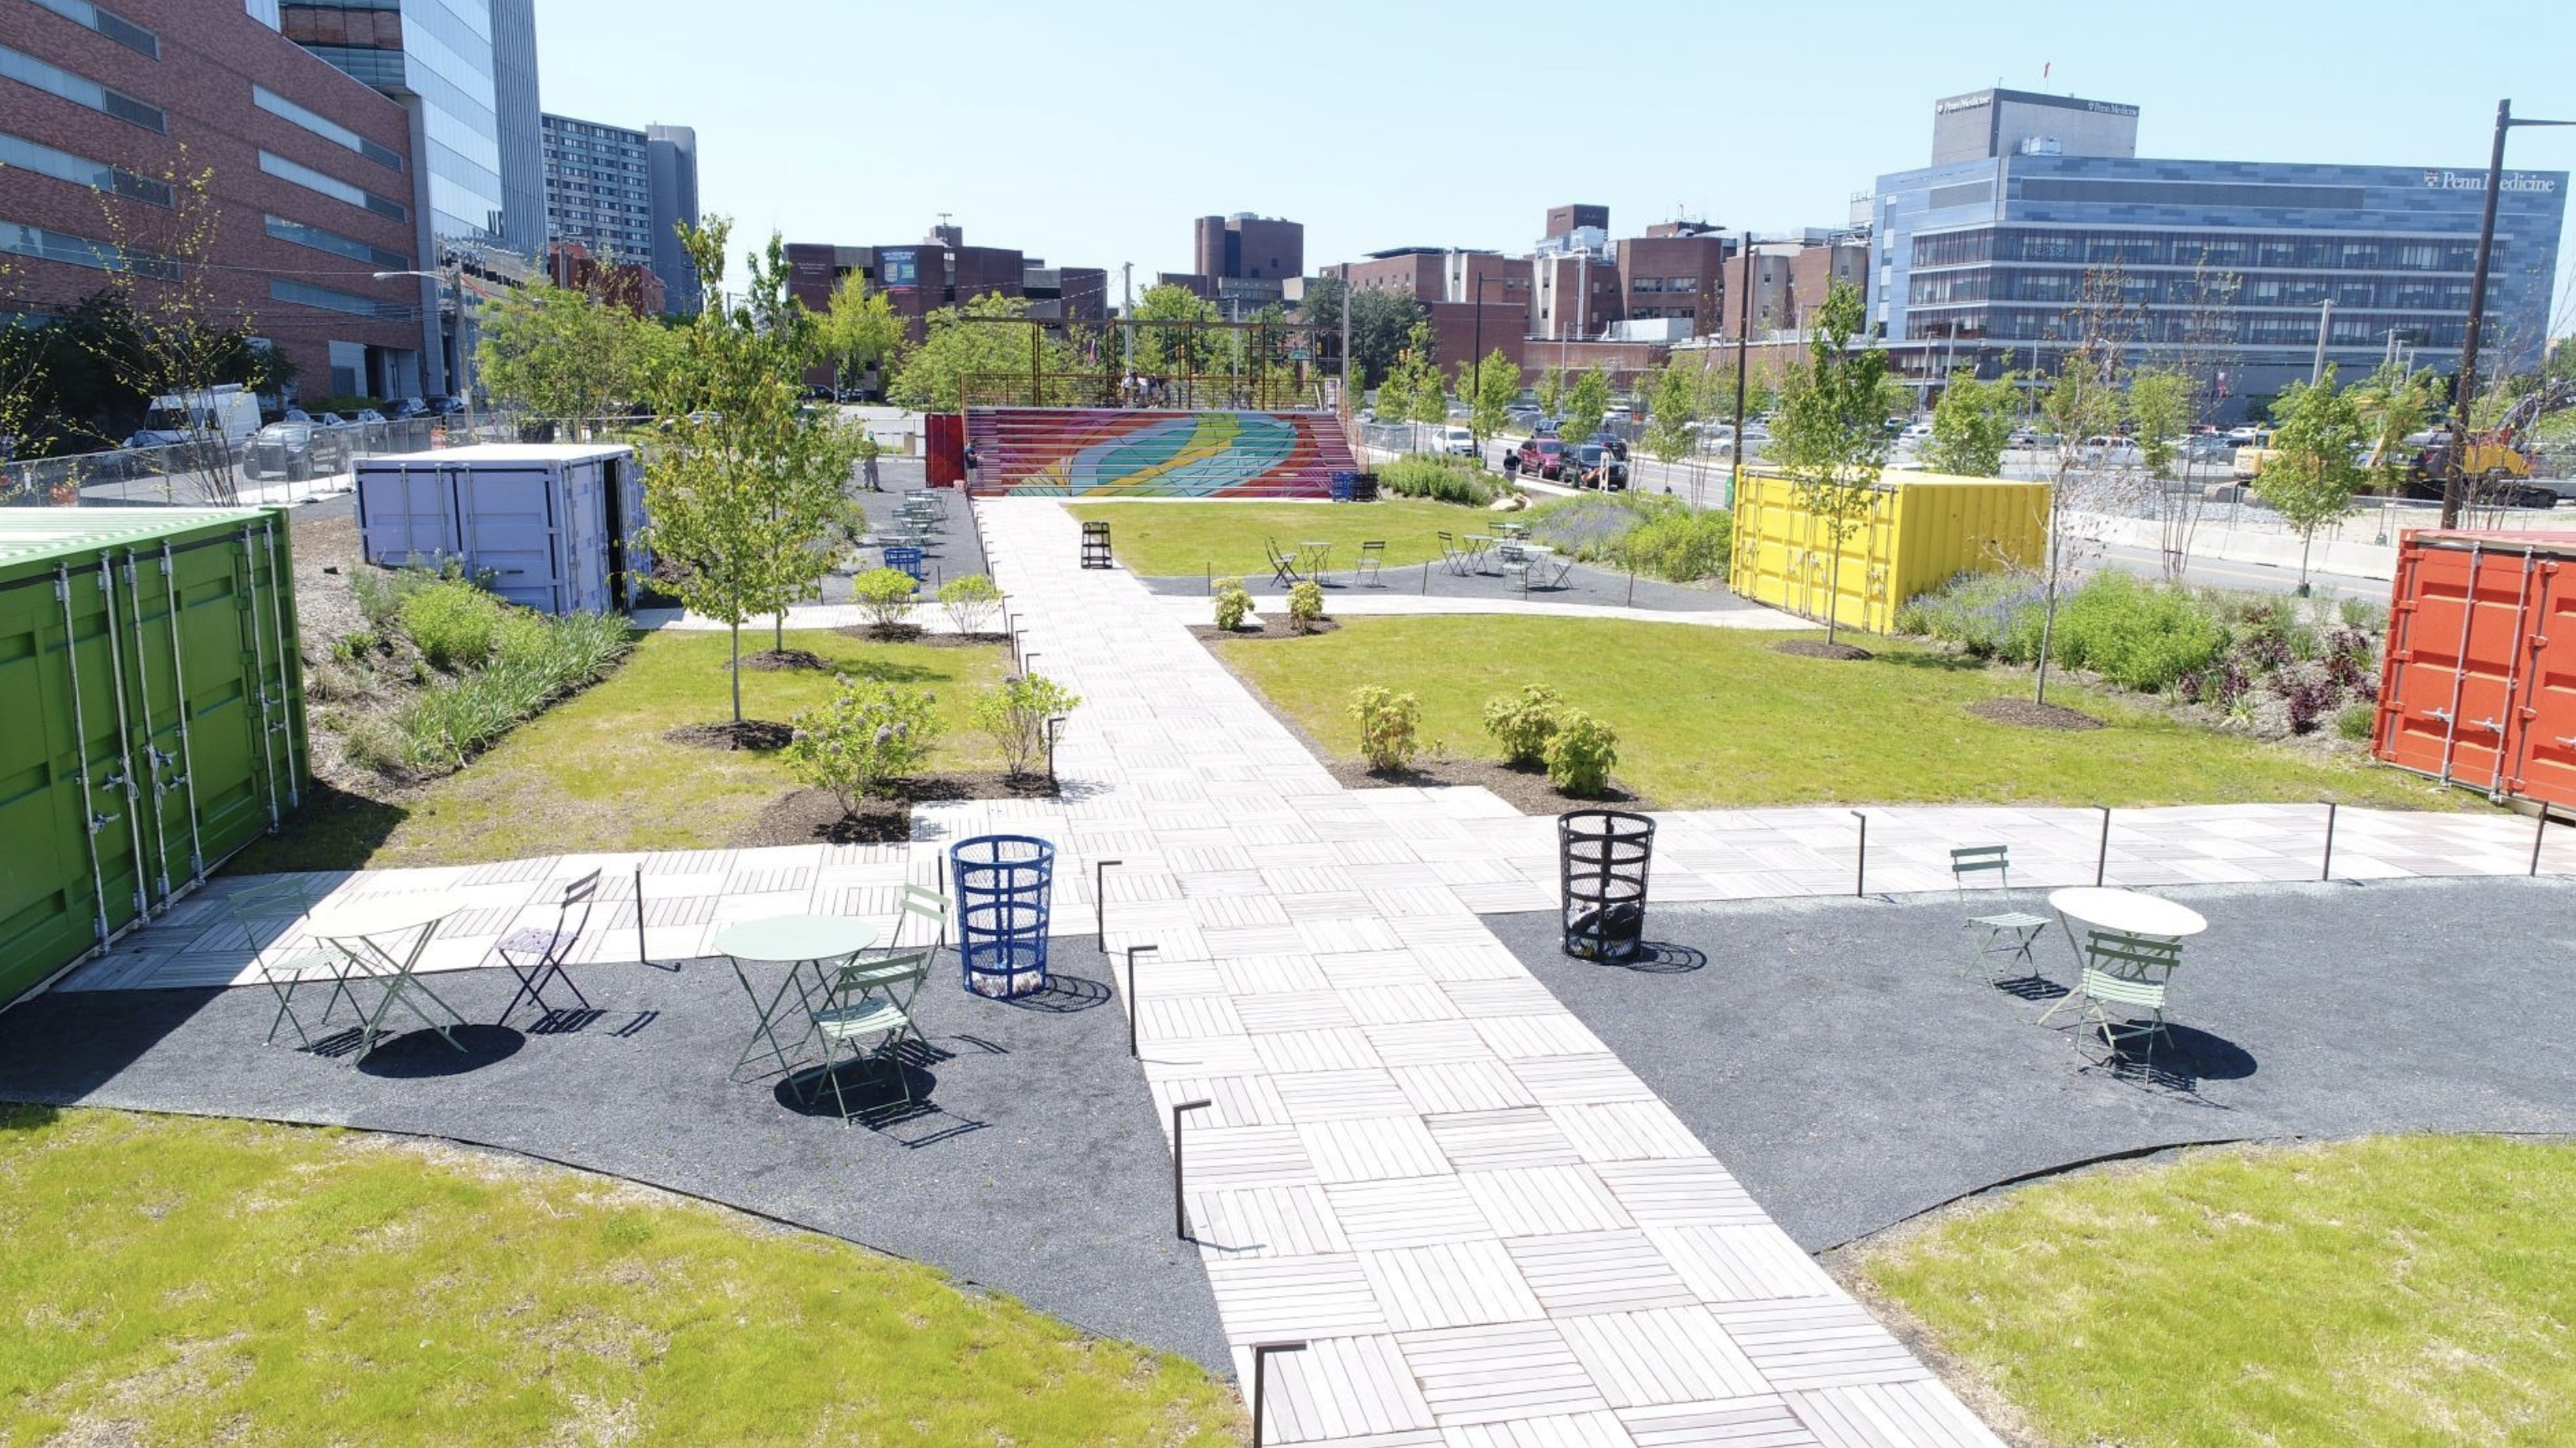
(868, 465)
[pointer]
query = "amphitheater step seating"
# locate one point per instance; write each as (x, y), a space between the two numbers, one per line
(1113, 452)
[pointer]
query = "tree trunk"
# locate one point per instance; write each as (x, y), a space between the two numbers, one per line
(1833, 593)
(736, 631)
(2047, 615)
(778, 633)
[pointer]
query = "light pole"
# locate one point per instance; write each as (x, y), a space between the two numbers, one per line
(2465, 392)
(1476, 396)
(1743, 330)
(455, 276)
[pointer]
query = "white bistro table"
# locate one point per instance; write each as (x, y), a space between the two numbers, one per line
(368, 930)
(2129, 912)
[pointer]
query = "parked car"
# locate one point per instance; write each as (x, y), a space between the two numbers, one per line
(446, 406)
(817, 393)
(327, 419)
(294, 451)
(1595, 466)
(1617, 445)
(366, 414)
(1458, 442)
(1619, 412)
(1543, 457)
(404, 408)
(1915, 435)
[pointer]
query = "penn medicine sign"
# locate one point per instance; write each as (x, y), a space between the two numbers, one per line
(2513, 181)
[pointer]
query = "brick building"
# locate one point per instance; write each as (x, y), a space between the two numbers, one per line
(941, 270)
(1244, 261)
(309, 177)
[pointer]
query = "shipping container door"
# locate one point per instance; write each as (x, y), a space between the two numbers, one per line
(226, 653)
(48, 910)
(2446, 715)
(406, 514)
(114, 810)
(2543, 742)
(583, 537)
(508, 515)
(144, 596)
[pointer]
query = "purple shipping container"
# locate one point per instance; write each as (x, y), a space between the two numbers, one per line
(553, 525)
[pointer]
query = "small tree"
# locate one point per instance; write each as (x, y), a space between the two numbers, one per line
(1550, 390)
(743, 487)
(1831, 438)
(1496, 384)
(964, 342)
(1586, 403)
(1413, 390)
(2316, 463)
(971, 601)
(560, 353)
(859, 332)
(2083, 402)
(871, 732)
(1673, 398)
(2160, 405)
(1971, 424)
(1016, 715)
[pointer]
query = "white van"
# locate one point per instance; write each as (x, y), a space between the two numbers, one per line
(227, 410)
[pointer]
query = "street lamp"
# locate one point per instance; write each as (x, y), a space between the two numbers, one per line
(1476, 397)
(1743, 330)
(2465, 391)
(455, 276)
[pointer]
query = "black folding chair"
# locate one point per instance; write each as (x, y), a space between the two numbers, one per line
(1372, 557)
(536, 955)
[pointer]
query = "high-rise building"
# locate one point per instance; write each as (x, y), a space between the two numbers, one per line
(1984, 258)
(599, 189)
(671, 161)
(466, 70)
(103, 109)
(1244, 261)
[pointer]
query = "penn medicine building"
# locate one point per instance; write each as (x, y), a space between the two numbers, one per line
(1981, 258)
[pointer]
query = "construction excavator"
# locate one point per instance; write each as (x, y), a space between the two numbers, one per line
(2497, 464)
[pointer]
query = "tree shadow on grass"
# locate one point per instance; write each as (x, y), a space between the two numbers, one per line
(26, 1117)
(1934, 662)
(333, 829)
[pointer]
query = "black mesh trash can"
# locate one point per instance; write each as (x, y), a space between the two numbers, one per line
(1364, 488)
(1602, 856)
(1095, 544)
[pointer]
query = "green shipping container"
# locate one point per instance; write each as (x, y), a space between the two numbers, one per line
(151, 716)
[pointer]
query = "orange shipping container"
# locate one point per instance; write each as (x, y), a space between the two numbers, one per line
(2480, 684)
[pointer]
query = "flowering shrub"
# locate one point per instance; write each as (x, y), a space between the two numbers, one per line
(1582, 754)
(1390, 727)
(885, 595)
(870, 732)
(971, 602)
(1232, 603)
(1306, 605)
(1523, 723)
(1016, 716)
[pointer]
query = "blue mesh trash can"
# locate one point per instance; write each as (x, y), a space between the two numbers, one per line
(1004, 884)
(906, 557)
(1343, 482)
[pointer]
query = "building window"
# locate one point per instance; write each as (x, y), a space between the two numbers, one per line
(19, 239)
(108, 23)
(332, 241)
(305, 295)
(331, 186)
(323, 126)
(21, 153)
(80, 90)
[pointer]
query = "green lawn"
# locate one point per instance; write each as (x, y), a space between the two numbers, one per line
(594, 773)
(1717, 717)
(177, 1281)
(2402, 1292)
(1174, 539)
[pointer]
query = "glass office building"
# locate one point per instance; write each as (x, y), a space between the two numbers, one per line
(1985, 261)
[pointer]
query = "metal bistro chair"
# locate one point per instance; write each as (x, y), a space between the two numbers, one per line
(1372, 557)
(1452, 557)
(1992, 932)
(265, 913)
(2130, 971)
(1283, 566)
(1554, 568)
(536, 955)
(868, 1009)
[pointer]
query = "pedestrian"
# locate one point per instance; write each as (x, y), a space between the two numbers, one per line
(1511, 465)
(868, 465)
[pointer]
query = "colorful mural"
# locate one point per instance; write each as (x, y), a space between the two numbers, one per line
(1074, 452)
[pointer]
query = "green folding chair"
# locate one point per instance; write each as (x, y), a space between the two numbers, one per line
(266, 912)
(2129, 972)
(868, 1011)
(1992, 932)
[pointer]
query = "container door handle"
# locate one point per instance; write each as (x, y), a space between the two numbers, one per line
(2492, 726)
(2442, 714)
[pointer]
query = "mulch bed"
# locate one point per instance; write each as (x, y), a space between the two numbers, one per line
(1271, 628)
(913, 633)
(805, 816)
(1526, 790)
(1819, 649)
(774, 660)
(2033, 715)
(749, 734)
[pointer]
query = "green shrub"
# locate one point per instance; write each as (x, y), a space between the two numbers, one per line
(2138, 635)
(1989, 615)
(1523, 723)
(537, 661)
(1680, 546)
(2362, 613)
(1443, 479)
(885, 595)
(1232, 603)
(1016, 715)
(1582, 754)
(1306, 605)
(2357, 721)
(971, 602)
(379, 595)
(454, 623)
(872, 731)
(1390, 727)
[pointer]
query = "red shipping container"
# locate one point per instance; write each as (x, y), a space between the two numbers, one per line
(2480, 684)
(944, 442)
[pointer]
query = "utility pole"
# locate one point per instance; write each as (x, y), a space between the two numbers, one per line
(1127, 311)
(1743, 330)
(1350, 398)
(2466, 390)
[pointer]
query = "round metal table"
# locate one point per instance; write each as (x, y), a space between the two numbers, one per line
(798, 941)
(2126, 911)
(359, 926)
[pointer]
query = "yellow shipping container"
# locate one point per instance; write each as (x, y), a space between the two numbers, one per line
(1922, 530)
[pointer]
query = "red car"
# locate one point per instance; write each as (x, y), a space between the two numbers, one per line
(1544, 456)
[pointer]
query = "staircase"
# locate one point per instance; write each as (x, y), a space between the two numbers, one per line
(1114, 452)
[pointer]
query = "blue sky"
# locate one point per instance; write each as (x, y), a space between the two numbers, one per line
(1092, 133)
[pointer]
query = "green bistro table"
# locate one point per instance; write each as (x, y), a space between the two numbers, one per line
(803, 943)
(366, 930)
